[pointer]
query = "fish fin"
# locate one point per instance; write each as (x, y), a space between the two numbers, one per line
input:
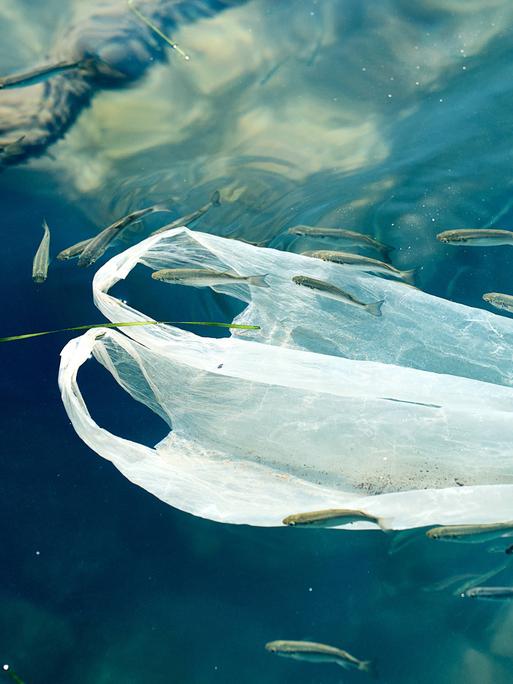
(215, 200)
(375, 308)
(409, 276)
(259, 281)
(369, 666)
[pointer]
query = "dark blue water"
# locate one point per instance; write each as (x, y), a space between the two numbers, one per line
(388, 117)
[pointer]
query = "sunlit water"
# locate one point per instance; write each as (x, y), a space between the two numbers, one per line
(393, 118)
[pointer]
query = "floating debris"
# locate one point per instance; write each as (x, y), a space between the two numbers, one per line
(350, 236)
(333, 517)
(154, 28)
(332, 292)
(214, 324)
(12, 674)
(362, 263)
(471, 534)
(203, 277)
(476, 237)
(42, 257)
(319, 653)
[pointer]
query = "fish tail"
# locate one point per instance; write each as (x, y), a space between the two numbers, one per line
(164, 206)
(409, 276)
(375, 308)
(369, 666)
(215, 200)
(383, 524)
(84, 262)
(259, 281)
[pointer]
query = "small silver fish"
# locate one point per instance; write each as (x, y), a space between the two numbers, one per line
(467, 581)
(350, 236)
(97, 245)
(332, 292)
(42, 257)
(215, 201)
(471, 534)
(499, 300)
(319, 653)
(204, 277)
(357, 262)
(490, 593)
(74, 250)
(40, 74)
(476, 237)
(332, 517)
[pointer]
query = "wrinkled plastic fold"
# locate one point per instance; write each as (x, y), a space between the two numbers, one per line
(407, 416)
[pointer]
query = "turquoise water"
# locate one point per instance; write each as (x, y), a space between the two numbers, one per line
(388, 118)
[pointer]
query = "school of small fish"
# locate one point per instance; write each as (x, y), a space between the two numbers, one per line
(90, 250)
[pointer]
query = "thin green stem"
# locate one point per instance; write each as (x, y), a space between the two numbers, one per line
(213, 324)
(156, 29)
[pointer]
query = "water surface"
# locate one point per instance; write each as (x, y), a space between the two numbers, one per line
(392, 118)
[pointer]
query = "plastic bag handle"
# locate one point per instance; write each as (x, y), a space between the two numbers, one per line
(123, 452)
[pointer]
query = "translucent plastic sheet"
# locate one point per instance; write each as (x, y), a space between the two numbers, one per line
(407, 416)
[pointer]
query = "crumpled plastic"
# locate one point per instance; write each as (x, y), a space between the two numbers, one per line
(407, 417)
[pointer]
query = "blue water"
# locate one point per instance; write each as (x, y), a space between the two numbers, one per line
(394, 118)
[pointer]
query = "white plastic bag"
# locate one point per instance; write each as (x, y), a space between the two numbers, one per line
(407, 417)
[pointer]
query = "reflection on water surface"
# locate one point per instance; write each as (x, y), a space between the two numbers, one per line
(389, 118)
